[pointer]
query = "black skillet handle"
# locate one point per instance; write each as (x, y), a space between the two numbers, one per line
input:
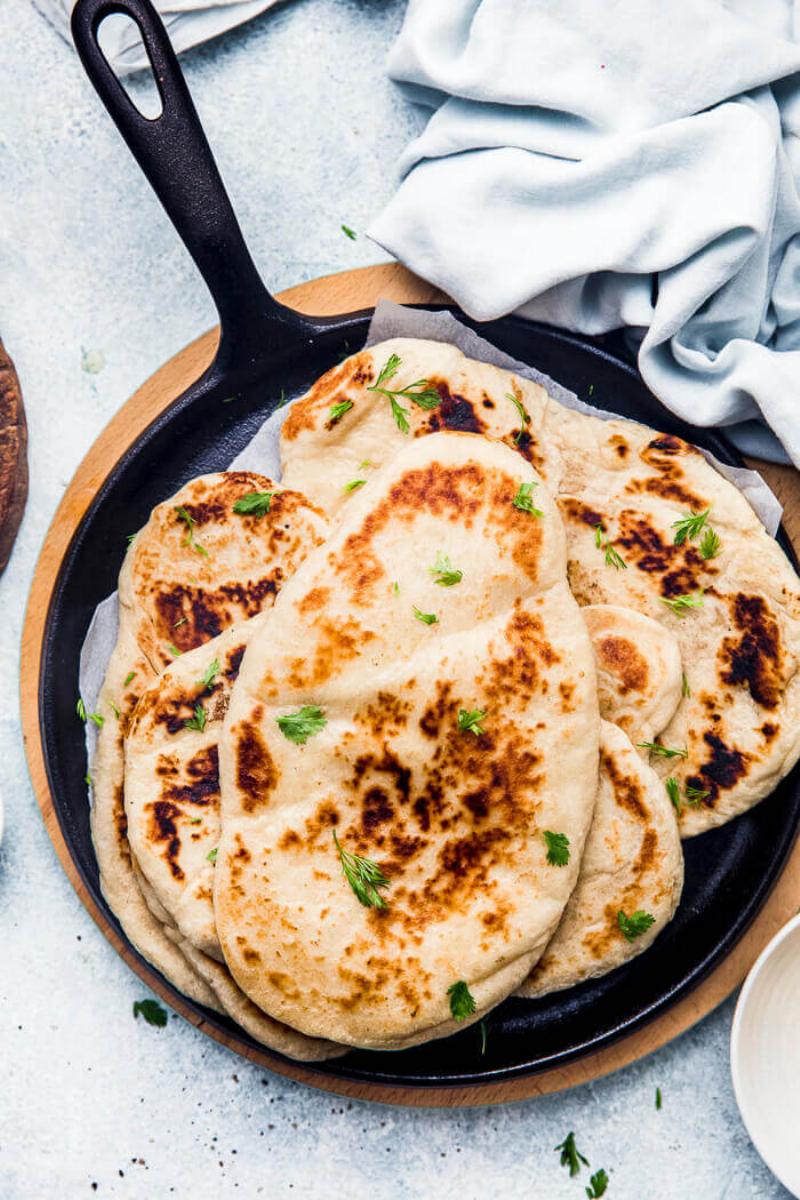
(173, 153)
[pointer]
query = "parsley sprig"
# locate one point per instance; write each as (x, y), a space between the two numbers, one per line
(523, 416)
(152, 1012)
(557, 848)
(470, 720)
(689, 526)
(444, 573)
(209, 675)
(636, 924)
(613, 557)
(300, 726)
(598, 1183)
(663, 751)
(424, 396)
(571, 1156)
(189, 521)
(462, 1001)
(524, 499)
(681, 604)
(426, 618)
(198, 721)
(364, 876)
(337, 411)
(709, 547)
(212, 855)
(253, 504)
(353, 485)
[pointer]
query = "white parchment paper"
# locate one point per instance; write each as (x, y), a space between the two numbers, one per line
(262, 454)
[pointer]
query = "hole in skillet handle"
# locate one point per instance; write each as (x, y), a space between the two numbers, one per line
(120, 33)
(174, 155)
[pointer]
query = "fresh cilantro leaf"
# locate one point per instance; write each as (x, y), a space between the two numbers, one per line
(114, 709)
(348, 232)
(131, 538)
(353, 484)
(426, 618)
(364, 876)
(523, 416)
(128, 678)
(571, 1156)
(253, 504)
(396, 588)
(198, 721)
(662, 751)
(597, 1185)
(212, 855)
(635, 925)
(152, 1012)
(80, 708)
(98, 719)
(444, 573)
(658, 1099)
(337, 411)
(689, 526)
(680, 604)
(300, 726)
(557, 848)
(470, 720)
(462, 1002)
(425, 396)
(674, 793)
(524, 501)
(189, 521)
(612, 557)
(87, 779)
(174, 651)
(709, 547)
(209, 675)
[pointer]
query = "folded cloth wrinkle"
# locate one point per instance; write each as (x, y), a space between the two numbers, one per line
(631, 164)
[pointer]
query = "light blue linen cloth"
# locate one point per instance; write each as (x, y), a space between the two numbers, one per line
(606, 163)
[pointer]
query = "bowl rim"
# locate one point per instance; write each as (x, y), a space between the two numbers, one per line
(739, 1090)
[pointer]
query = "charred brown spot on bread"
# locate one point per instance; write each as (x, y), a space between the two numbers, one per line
(172, 711)
(163, 828)
(256, 773)
(329, 389)
(528, 447)
(239, 859)
(626, 788)
(376, 810)
(188, 615)
(634, 896)
(322, 821)
(769, 731)
(620, 657)
(722, 771)
(284, 984)
(664, 449)
(336, 642)
(443, 710)
(487, 401)
(512, 681)
(388, 714)
(233, 663)
(250, 956)
(663, 454)
(314, 601)
(456, 412)
(681, 569)
(574, 510)
(201, 785)
(619, 446)
(121, 821)
(566, 691)
(754, 659)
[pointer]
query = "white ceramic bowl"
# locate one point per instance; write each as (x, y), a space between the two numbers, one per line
(765, 1055)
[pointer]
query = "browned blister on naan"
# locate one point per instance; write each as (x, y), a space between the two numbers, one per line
(621, 487)
(453, 815)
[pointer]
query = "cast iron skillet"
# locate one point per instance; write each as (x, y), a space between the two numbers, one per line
(266, 348)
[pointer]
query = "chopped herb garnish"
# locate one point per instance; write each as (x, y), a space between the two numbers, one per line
(689, 526)
(283, 400)
(524, 501)
(462, 1002)
(128, 678)
(681, 604)
(396, 588)
(348, 232)
(152, 1012)
(364, 876)
(338, 410)
(253, 504)
(212, 855)
(571, 1156)
(686, 691)
(87, 779)
(484, 1028)
(709, 547)
(114, 709)
(597, 1185)
(195, 820)
(131, 538)
(557, 848)
(353, 484)
(662, 751)
(300, 726)
(189, 521)
(80, 708)
(362, 466)
(658, 1099)
(635, 925)
(174, 651)
(209, 675)
(674, 793)
(425, 397)
(198, 721)
(695, 796)
(523, 416)
(426, 618)
(612, 556)
(98, 719)
(444, 573)
(470, 720)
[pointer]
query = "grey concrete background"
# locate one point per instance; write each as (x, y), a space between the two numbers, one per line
(306, 129)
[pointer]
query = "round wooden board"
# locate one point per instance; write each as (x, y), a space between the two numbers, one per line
(13, 457)
(348, 292)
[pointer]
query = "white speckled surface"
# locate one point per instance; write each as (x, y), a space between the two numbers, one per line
(306, 130)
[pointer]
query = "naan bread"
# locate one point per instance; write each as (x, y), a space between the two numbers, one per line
(741, 649)
(455, 818)
(639, 673)
(632, 862)
(289, 531)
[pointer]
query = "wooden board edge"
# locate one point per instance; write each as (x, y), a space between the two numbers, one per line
(346, 292)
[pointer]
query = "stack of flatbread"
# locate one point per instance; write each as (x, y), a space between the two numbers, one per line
(423, 725)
